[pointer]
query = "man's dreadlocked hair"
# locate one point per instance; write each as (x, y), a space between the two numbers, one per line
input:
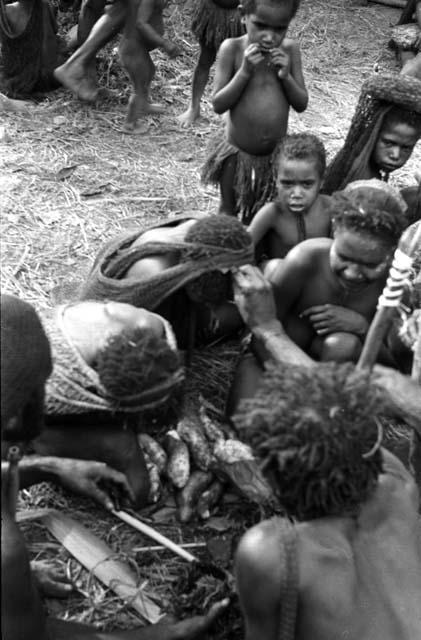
(304, 146)
(249, 6)
(218, 231)
(315, 430)
(135, 360)
(368, 210)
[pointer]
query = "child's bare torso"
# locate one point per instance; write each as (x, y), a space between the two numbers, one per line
(322, 287)
(284, 234)
(260, 118)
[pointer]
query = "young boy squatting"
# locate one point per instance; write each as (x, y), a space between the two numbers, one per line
(299, 211)
(257, 78)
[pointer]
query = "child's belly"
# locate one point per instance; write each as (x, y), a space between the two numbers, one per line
(260, 119)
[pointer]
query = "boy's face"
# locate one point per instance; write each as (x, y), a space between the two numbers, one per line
(394, 145)
(298, 184)
(358, 259)
(268, 25)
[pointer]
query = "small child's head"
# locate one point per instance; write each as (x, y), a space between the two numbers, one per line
(267, 21)
(399, 133)
(301, 167)
(368, 220)
(317, 434)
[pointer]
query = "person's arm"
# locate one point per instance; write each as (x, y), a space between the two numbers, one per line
(87, 477)
(402, 395)
(229, 84)
(290, 73)
(257, 575)
(147, 31)
(255, 302)
(262, 222)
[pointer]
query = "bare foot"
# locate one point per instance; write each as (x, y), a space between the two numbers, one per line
(135, 128)
(73, 76)
(188, 117)
(7, 104)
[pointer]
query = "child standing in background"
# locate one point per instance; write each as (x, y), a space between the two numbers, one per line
(299, 211)
(213, 22)
(258, 78)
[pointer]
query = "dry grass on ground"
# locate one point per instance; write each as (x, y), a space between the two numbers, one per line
(70, 179)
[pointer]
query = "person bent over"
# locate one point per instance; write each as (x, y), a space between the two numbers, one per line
(345, 560)
(299, 210)
(112, 364)
(25, 366)
(258, 77)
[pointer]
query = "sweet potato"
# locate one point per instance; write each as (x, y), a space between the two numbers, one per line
(178, 467)
(209, 499)
(154, 451)
(189, 430)
(212, 431)
(154, 481)
(231, 451)
(188, 497)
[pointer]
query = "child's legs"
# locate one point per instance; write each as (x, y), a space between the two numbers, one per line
(228, 204)
(200, 78)
(138, 64)
(90, 12)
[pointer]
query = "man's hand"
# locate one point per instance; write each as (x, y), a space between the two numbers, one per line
(95, 480)
(51, 581)
(280, 60)
(329, 318)
(252, 57)
(173, 50)
(253, 296)
(194, 627)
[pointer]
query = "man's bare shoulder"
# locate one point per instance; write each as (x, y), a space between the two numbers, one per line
(307, 252)
(231, 46)
(258, 551)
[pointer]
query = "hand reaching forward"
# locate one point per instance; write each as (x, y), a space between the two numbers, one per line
(253, 296)
(96, 480)
(329, 318)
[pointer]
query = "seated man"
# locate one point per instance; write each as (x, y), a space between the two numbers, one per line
(177, 269)
(384, 130)
(112, 363)
(349, 564)
(25, 365)
(327, 290)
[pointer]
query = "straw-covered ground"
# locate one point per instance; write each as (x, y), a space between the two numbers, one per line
(71, 178)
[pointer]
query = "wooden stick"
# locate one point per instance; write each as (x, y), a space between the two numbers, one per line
(399, 4)
(160, 547)
(392, 294)
(96, 556)
(155, 535)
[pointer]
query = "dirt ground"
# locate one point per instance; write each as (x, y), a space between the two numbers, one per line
(70, 178)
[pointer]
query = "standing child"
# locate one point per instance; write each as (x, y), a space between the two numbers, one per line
(383, 133)
(258, 77)
(299, 211)
(213, 22)
(143, 32)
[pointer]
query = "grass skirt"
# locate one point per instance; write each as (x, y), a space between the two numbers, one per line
(255, 176)
(211, 25)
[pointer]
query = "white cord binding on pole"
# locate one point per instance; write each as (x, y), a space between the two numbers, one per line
(398, 278)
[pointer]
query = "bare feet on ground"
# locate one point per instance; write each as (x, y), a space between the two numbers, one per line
(76, 78)
(8, 104)
(188, 117)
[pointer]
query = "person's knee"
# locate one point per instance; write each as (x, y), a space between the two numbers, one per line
(271, 266)
(341, 347)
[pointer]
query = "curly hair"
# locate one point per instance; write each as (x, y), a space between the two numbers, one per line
(304, 146)
(366, 209)
(316, 433)
(249, 6)
(221, 231)
(135, 360)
